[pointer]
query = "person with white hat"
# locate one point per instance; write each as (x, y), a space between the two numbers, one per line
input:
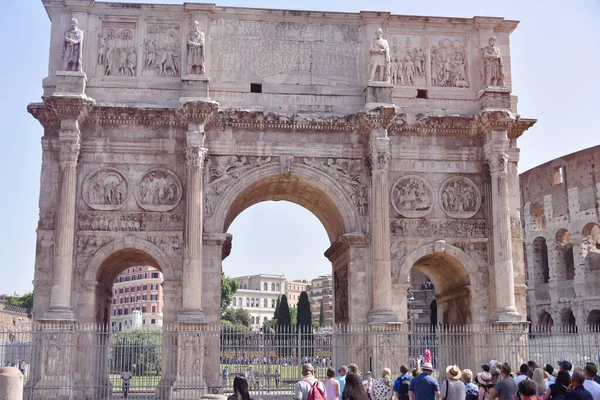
(424, 386)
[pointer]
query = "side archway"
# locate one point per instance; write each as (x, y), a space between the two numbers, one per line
(451, 271)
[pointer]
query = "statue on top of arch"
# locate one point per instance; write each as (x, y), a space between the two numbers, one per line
(196, 51)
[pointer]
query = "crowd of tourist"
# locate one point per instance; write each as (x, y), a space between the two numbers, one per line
(495, 381)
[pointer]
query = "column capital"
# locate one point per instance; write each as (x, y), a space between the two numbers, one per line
(69, 152)
(195, 156)
(379, 150)
(345, 242)
(497, 162)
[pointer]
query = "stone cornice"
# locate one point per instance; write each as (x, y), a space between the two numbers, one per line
(345, 242)
(361, 123)
(69, 107)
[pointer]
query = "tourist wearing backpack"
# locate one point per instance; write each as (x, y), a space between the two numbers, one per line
(402, 384)
(309, 388)
(558, 389)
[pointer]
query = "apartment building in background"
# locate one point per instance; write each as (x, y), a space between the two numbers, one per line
(293, 290)
(258, 295)
(137, 299)
(321, 291)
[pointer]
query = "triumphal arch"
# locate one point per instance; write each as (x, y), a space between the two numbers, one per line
(163, 122)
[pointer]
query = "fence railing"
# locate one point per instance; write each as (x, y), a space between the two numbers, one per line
(180, 361)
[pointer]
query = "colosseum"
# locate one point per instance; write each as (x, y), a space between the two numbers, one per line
(562, 240)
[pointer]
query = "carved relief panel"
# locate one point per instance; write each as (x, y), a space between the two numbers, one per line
(117, 55)
(408, 63)
(340, 282)
(412, 196)
(460, 197)
(448, 61)
(159, 190)
(162, 50)
(105, 189)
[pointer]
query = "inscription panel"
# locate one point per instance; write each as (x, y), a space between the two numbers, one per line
(285, 52)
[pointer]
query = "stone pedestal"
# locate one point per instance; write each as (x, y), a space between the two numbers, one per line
(191, 348)
(194, 87)
(70, 83)
(378, 93)
(11, 384)
(495, 98)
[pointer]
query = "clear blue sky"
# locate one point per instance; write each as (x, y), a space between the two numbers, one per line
(555, 63)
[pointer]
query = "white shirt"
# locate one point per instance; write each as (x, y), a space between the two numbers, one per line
(303, 386)
(126, 375)
(593, 388)
(520, 378)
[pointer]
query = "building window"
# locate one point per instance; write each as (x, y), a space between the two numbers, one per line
(265, 319)
(132, 289)
(155, 275)
(126, 279)
(154, 297)
(234, 301)
(558, 175)
(114, 301)
(153, 321)
(120, 312)
(252, 303)
(132, 299)
(247, 302)
(143, 322)
(252, 319)
(153, 309)
(266, 286)
(266, 303)
(115, 311)
(126, 311)
(145, 287)
(139, 289)
(278, 287)
(115, 291)
(137, 298)
(272, 303)
(144, 309)
(121, 291)
(144, 297)
(146, 275)
(272, 287)
(139, 277)
(126, 290)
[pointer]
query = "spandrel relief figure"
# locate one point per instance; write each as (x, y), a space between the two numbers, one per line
(494, 68)
(196, 50)
(72, 49)
(379, 64)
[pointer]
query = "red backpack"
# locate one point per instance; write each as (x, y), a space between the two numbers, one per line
(315, 392)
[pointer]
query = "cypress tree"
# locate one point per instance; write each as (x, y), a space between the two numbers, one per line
(283, 315)
(304, 313)
(277, 306)
(321, 315)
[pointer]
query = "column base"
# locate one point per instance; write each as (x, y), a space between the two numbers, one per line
(193, 316)
(506, 316)
(58, 313)
(382, 316)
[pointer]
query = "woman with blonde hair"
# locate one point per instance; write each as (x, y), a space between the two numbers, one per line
(472, 392)
(538, 378)
(382, 387)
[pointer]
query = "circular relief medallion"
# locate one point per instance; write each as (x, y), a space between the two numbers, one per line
(159, 190)
(412, 196)
(460, 197)
(105, 189)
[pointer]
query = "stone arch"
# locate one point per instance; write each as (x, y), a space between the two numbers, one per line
(538, 217)
(565, 263)
(104, 267)
(304, 185)
(545, 321)
(567, 318)
(117, 255)
(541, 270)
(593, 318)
(591, 245)
(451, 271)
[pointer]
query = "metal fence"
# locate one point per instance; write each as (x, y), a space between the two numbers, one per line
(181, 361)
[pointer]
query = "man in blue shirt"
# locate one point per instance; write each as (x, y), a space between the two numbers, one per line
(401, 384)
(424, 386)
(341, 378)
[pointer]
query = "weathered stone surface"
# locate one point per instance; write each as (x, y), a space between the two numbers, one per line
(403, 153)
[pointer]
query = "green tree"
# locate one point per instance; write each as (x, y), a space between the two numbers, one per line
(237, 317)
(25, 301)
(139, 349)
(277, 307)
(228, 288)
(304, 313)
(321, 315)
(294, 316)
(283, 316)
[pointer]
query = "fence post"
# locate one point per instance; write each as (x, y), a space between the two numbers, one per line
(11, 384)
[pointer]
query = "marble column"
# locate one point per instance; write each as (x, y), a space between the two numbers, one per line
(496, 153)
(379, 154)
(64, 233)
(192, 265)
